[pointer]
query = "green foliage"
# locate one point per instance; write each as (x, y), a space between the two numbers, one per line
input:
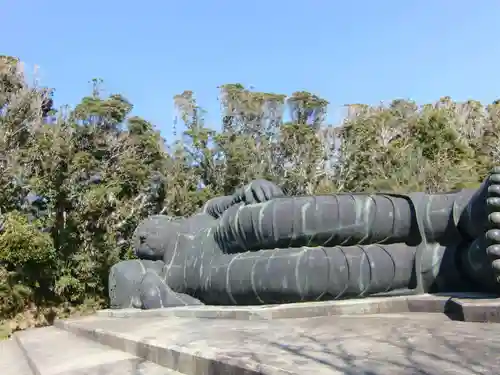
(23, 244)
(75, 186)
(14, 295)
(76, 182)
(27, 257)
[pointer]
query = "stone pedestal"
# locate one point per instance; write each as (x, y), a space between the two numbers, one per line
(446, 334)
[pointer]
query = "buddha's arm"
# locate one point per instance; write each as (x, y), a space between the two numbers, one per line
(345, 219)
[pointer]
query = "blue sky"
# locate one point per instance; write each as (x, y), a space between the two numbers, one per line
(345, 51)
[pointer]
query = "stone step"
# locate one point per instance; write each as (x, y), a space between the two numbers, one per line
(52, 351)
(12, 359)
(399, 343)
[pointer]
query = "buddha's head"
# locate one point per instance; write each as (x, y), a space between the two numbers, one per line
(154, 235)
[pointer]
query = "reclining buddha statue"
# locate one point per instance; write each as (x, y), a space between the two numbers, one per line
(259, 246)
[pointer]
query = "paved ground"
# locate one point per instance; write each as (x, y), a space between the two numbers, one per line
(378, 336)
(393, 343)
(12, 360)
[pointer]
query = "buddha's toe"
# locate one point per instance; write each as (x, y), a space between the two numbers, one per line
(493, 234)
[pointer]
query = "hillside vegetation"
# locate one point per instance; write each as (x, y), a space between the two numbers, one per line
(76, 181)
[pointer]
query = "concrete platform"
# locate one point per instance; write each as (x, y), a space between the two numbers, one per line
(465, 307)
(376, 336)
(51, 351)
(12, 359)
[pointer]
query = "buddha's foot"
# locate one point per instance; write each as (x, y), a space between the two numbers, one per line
(475, 219)
(481, 259)
(493, 234)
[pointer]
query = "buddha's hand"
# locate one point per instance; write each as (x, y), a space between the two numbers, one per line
(258, 191)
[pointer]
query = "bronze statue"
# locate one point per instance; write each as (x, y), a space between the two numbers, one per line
(260, 247)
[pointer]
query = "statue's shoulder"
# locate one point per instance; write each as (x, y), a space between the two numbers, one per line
(197, 223)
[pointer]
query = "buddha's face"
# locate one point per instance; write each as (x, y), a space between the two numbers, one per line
(152, 236)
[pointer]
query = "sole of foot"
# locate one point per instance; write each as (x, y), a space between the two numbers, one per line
(493, 234)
